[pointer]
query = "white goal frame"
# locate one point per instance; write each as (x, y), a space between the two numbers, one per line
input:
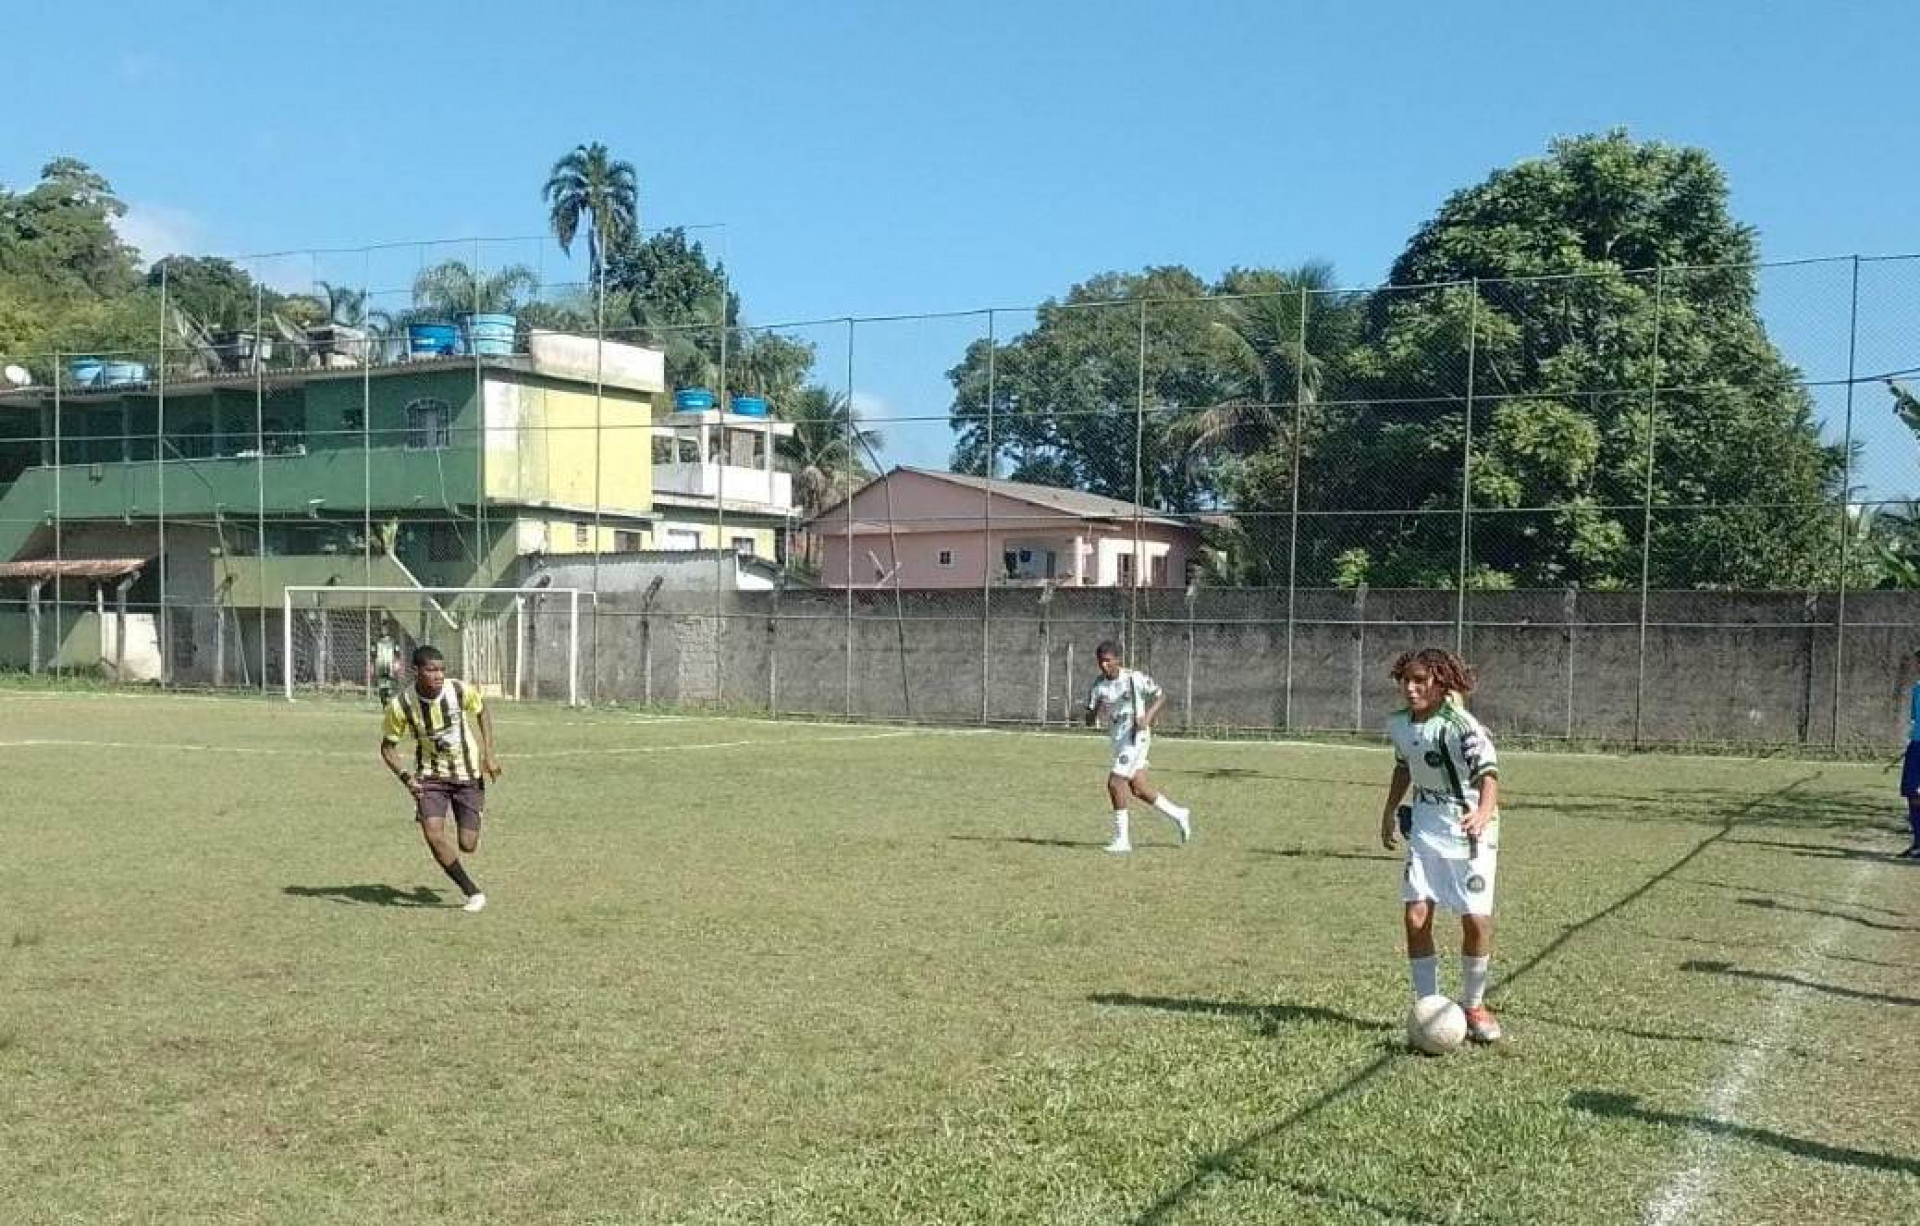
(519, 595)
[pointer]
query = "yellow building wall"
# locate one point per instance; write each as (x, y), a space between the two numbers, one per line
(668, 534)
(564, 536)
(543, 437)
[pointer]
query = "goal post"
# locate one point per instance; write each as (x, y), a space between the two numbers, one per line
(331, 635)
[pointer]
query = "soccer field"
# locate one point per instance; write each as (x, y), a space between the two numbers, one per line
(739, 971)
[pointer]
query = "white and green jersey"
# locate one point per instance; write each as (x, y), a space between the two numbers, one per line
(1127, 698)
(1446, 756)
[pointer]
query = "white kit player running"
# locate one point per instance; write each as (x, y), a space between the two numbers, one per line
(1132, 702)
(1445, 757)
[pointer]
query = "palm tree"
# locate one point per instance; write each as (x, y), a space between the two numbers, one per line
(588, 182)
(828, 450)
(1269, 364)
(454, 288)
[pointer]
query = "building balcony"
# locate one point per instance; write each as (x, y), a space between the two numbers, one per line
(760, 489)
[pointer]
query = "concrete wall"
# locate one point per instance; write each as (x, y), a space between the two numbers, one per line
(1719, 666)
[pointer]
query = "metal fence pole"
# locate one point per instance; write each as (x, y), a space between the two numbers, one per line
(260, 473)
(599, 404)
(1846, 512)
(986, 544)
(1293, 515)
(1646, 513)
(1139, 487)
(163, 619)
(847, 502)
(1466, 470)
(59, 512)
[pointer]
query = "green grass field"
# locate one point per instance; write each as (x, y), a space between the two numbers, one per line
(776, 972)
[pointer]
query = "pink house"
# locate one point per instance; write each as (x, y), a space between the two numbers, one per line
(941, 529)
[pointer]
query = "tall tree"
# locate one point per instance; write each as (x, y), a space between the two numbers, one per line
(588, 183)
(59, 234)
(829, 449)
(1537, 292)
(1097, 385)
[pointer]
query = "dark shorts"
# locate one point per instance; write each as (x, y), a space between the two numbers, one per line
(438, 797)
(1910, 770)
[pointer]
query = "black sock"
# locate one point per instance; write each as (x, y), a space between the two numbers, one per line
(460, 878)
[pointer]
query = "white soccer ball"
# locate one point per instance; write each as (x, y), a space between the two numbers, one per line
(1435, 1025)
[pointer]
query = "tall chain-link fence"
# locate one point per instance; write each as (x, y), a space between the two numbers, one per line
(1654, 506)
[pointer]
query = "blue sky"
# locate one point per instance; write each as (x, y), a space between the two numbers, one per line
(878, 159)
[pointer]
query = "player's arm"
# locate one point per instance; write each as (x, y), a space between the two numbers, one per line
(476, 706)
(1397, 787)
(392, 729)
(1483, 771)
(488, 762)
(1093, 705)
(1473, 823)
(1152, 715)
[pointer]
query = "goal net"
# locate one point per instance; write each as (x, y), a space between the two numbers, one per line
(511, 642)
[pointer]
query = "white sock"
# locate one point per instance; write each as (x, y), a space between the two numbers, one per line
(1119, 825)
(1473, 980)
(1165, 804)
(1426, 975)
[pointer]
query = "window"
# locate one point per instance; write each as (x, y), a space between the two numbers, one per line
(1157, 568)
(628, 542)
(743, 544)
(429, 424)
(581, 536)
(945, 557)
(682, 538)
(1126, 569)
(353, 419)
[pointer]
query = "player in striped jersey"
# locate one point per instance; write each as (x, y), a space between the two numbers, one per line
(452, 734)
(1132, 701)
(1445, 757)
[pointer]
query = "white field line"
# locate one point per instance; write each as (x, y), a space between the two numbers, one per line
(55, 743)
(1694, 1183)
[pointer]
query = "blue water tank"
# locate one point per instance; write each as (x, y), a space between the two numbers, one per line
(692, 400)
(489, 334)
(85, 371)
(121, 374)
(750, 406)
(431, 340)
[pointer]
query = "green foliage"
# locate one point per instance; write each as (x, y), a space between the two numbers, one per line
(590, 184)
(829, 450)
(454, 287)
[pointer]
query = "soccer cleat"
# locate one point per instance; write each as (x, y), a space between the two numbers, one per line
(1482, 1025)
(1911, 853)
(1118, 847)
(477, 903)
(1184, 823)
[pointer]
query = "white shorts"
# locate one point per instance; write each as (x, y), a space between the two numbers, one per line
(1130, 757)
(1464, 887)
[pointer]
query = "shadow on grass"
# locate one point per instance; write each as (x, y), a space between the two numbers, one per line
(1819, 898)
(1816, 851)
(1752, 809)
(1269, 1017)
(1626, 1106)
(374, 895)
(1812, 985)
(1027, 841)
(1317, 853)
(1634, 1032)
(1768, 904)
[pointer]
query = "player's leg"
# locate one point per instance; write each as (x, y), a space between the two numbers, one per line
(434, 807)
(1474, 881)
(469, 802)
(1117, 792)
(1179, 815)
(1423, 967)
(1910, 789)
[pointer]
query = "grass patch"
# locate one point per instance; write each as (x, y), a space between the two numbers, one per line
(742, 971)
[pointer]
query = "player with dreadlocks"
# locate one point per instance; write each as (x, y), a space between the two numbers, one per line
(1445, 757)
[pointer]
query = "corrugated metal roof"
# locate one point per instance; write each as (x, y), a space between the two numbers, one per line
(72, 568)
